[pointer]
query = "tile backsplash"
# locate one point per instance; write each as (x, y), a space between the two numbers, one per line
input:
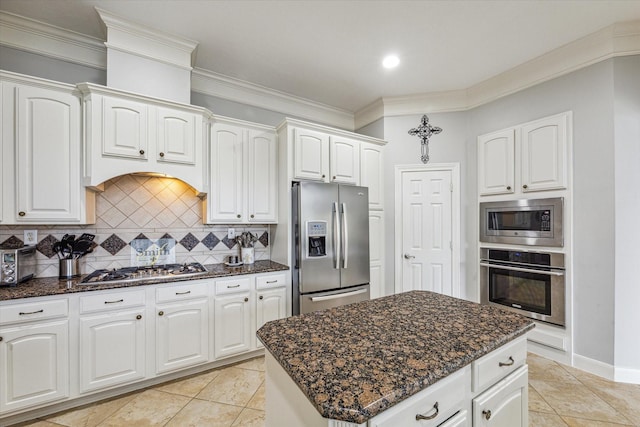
(135, 207)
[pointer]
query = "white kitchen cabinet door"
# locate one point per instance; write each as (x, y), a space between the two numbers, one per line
(371, 173)
(376, 253)
(262, 172)
(112, 349)
(544, 153)
(232, 324)
(505, 404)
(270, 305)
(34, 364)
(496, 158)
(226, 197)
(182, 335)
(176, 132)
(47, 144)
(344, 160)
(125, 128)
(311, 155)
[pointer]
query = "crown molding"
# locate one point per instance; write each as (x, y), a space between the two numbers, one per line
(244, 92)
(147, 42)
(34, 36)
(619, 39)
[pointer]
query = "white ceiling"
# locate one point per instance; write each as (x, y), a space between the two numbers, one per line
(331, 51)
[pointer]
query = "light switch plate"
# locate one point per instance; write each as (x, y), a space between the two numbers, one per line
(30, 237)
(231, 233)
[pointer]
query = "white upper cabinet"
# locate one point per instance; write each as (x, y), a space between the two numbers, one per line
(371, 173)
(544, 153)
(127, 133)
(243, 173)
(344, 160)
(311, 155)
(496, 162)
(41, 137)
(526, 158)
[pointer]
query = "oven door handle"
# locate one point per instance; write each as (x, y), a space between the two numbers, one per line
(524, 270)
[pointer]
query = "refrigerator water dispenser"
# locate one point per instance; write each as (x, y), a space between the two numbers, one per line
(317, 234)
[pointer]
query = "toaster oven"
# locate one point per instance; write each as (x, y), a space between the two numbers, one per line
(17, 265)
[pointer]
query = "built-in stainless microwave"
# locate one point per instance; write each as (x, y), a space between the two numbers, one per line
(535, 222)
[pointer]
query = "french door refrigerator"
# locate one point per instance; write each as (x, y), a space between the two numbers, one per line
(331, 245)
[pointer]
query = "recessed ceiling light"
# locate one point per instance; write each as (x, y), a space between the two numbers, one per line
(390, 61)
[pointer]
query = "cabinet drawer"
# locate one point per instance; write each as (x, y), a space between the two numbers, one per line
(233, 286)
(496, 365)
(33, 311)
(111, 301)
(271, 281)
(181, 292)
(440, 401)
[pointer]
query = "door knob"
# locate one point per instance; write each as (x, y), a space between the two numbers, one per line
(407, 256)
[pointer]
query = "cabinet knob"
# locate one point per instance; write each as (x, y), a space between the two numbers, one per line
(139, 316)
(323, 175)
(246, 299)
(253, 216)
(487, 415)
(525, 186)
(334, 177)
(261, 297)
(508, 187)
(1, 338)
(160, 313)
(239, 216)
(142, 152)
(161, 154)
(21, 213)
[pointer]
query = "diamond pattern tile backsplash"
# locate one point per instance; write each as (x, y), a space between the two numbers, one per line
(136, 207)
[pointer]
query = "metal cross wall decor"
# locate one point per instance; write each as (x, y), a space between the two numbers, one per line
(424, 132)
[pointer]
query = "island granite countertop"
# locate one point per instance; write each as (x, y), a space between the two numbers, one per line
(355, 361)
(53, 286)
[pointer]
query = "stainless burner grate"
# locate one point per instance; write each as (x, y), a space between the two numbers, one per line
(131, 274)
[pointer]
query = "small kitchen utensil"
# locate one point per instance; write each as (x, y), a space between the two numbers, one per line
(81, 248)
(57, 248)
(233, 259)
(87, 236)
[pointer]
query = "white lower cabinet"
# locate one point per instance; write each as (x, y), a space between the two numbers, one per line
(182, 335)
(505, 404)
(271, 300)
(232, 317)
(34, 364)
(112, 349)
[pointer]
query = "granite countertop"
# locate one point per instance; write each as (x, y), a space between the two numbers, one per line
(355, 361)
(54, 286)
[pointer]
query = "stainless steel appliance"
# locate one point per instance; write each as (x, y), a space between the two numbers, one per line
(331, 245)
(529, 283)
(133, 274)
(18, 265)
(536, 222)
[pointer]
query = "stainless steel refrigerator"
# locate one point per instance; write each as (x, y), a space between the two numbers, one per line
(331, 245)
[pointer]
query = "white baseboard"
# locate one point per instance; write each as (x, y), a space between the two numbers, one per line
(593, 366)
(625, 375)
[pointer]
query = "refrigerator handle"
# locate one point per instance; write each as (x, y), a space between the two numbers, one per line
(345, 237)
(336, 236)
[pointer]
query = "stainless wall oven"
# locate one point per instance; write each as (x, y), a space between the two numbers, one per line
(529, 283)
(536, 222)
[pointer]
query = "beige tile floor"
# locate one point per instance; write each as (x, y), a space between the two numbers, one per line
(234, 396)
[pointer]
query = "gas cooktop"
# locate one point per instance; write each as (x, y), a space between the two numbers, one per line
(133, 274)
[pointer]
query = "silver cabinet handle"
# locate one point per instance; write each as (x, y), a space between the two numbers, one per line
(428, 417)
(30, 312)
(336, 296)
(407, 256)
(524, 270)
(509, 363)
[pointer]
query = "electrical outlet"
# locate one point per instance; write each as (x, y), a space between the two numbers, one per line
(30, 237)
(231, 233)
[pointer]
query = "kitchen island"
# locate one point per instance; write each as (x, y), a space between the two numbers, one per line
(414, 358)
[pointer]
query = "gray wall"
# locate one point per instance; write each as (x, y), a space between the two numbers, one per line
(627, 206)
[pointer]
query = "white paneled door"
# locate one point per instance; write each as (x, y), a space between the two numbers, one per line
(425, 257)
